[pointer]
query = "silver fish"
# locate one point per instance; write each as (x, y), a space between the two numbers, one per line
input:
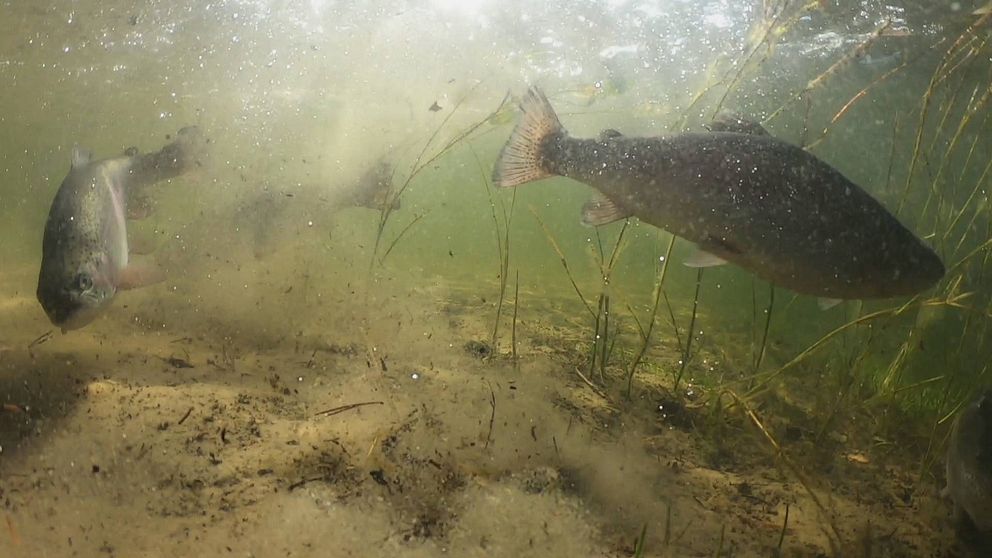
(969, 465)
(740, 194)
(85, 248)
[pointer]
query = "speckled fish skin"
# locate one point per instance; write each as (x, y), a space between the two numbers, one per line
(85, 248)
(748, 198)
(969, 463)
(759, 202)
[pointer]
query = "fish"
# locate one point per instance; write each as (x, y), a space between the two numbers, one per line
(969, 467)
(372, 190)
(264, 214)
(882, 60)
(587, 94)
(85, 252)
(742, 195)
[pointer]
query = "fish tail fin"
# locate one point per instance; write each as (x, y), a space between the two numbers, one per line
(186, 152)
(520, 161)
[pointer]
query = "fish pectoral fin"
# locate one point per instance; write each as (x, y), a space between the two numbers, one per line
(712, 252)
(736, 124)
(140, 245)
(80, 156)
(601, 210)
(827, 303)
(702, 258)
(137, 275)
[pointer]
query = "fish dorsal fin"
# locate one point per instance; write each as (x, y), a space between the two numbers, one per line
(702, 258)
(737, 124)
(80, 157)
(827, 303)
(609, 134)
(601, 210)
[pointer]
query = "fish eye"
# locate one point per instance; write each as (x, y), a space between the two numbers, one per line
(83, 282)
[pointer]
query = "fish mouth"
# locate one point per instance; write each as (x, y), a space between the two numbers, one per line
(78, 318)
(73, 312)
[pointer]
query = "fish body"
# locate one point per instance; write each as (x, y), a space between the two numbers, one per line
(969, 464)
(741, 195)
(269, 214)
(373, 190)
(85, 257)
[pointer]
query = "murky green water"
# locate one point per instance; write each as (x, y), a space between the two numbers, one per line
(466, 373)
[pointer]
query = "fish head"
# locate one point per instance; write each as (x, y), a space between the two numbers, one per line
(75, 295)
(375, 189)
(380, 198)
(907, 270)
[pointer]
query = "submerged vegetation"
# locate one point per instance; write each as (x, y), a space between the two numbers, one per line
(540, 329)
(905, 366)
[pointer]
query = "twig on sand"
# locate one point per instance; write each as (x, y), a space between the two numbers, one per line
(590, 384)
(492, 415)
(342, 408)
(301, 482)
(186, 416)
(40, 339)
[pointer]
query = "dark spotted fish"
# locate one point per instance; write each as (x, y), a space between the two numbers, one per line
(969, 465)
(85, 253)
(740, 194)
